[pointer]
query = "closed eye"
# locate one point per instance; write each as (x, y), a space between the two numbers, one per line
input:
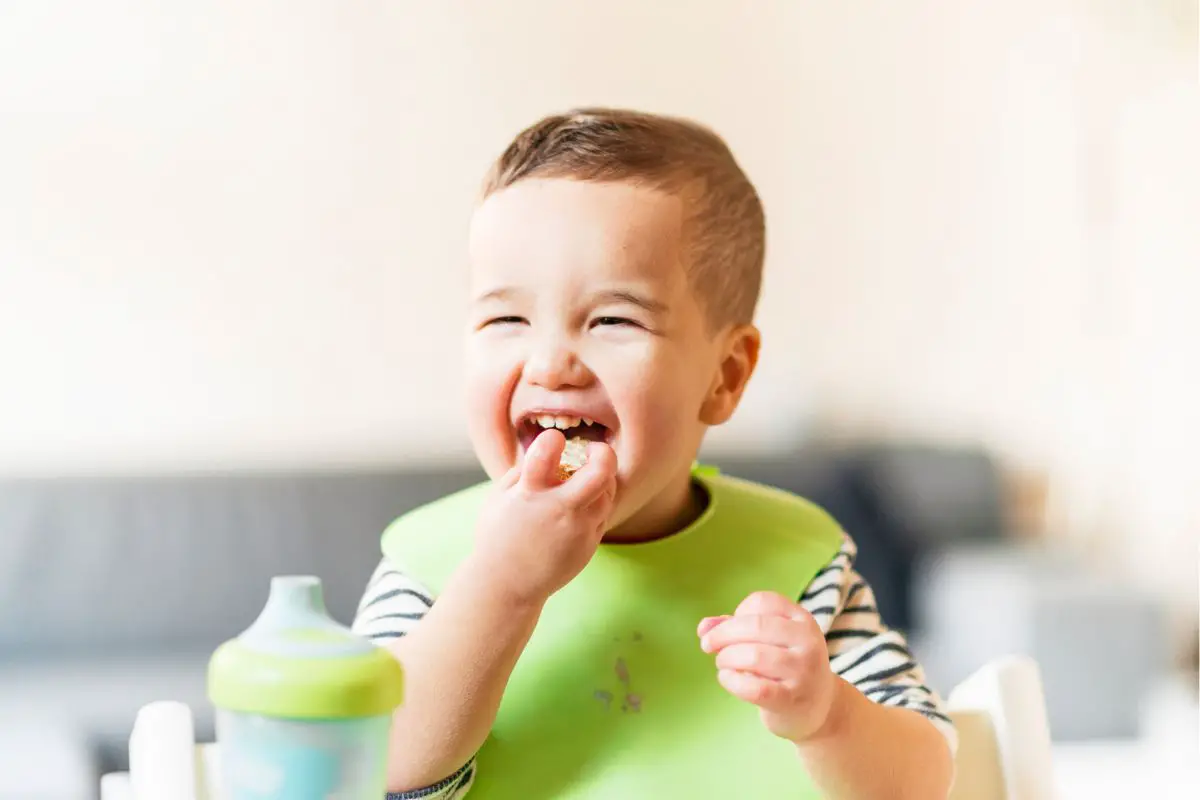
(502, 321)
(613, 322)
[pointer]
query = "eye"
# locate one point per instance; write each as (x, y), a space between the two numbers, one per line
(494, 321)
(608, 322)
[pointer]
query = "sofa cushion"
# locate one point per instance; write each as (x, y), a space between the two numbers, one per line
(93, 566)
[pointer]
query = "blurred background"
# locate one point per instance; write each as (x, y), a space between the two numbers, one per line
(231, 274)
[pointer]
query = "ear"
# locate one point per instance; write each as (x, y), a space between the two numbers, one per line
(739, 356)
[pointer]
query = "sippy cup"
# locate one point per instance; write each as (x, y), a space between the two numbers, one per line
(303, 705)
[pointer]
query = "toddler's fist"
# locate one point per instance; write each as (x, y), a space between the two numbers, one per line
(771, 652)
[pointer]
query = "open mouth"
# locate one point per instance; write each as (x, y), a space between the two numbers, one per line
(572, 427)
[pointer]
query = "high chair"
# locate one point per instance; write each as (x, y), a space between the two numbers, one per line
(1000, 713)
(1004, 738)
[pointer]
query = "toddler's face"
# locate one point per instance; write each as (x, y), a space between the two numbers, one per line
(582, 318)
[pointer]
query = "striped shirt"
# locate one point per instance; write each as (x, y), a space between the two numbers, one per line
(862, 650)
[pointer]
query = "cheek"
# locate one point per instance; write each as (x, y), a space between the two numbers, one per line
(659, 410)
(489, 387)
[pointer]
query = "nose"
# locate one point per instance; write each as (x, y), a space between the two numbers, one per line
(553, 364)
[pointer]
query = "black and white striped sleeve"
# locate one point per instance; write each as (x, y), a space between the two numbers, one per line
(862, 649)
(392, 604)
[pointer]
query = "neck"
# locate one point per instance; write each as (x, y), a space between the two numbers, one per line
(670, 511)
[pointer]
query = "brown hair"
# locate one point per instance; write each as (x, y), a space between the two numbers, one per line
(726, 229)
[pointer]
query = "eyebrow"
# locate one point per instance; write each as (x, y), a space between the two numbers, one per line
(606, 296)
(633, 298)
(500, 293)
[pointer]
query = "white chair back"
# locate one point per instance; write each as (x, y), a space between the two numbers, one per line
(1004, 738)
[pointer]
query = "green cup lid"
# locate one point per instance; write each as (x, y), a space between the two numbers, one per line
(296, 661)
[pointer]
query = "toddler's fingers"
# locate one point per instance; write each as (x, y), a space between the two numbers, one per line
(762, 692)
(766, 603)
(765, 661)
(510, 478)
(603, 501)
(708, 623)
(769, 630)
(539, 469)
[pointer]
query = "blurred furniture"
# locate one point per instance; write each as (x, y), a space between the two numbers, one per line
(1004, 744)
(918, 501)
(1004, 739)
(1165, 756)
(44, 759)
(1101, 646)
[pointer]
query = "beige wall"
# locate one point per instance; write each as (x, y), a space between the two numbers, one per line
(232, 235)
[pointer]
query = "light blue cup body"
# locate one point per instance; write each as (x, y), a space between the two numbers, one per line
(268, 758)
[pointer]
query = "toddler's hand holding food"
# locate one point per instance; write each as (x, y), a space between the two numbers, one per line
(545, 518)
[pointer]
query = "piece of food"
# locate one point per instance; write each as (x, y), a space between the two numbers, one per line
(573, 458)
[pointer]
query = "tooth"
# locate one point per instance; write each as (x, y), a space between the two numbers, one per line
(567, 422)
(587, 421)
(546, 420)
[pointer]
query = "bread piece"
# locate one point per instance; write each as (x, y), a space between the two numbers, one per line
(573, 458)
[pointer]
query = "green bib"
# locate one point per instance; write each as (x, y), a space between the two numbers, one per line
(613, 698)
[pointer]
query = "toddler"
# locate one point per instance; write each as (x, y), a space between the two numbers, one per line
(644, 627)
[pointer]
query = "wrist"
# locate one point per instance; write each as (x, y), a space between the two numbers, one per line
(841, 708)
(498, 586)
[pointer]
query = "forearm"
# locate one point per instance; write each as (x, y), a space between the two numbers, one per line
(866, 750)
(457, 662)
